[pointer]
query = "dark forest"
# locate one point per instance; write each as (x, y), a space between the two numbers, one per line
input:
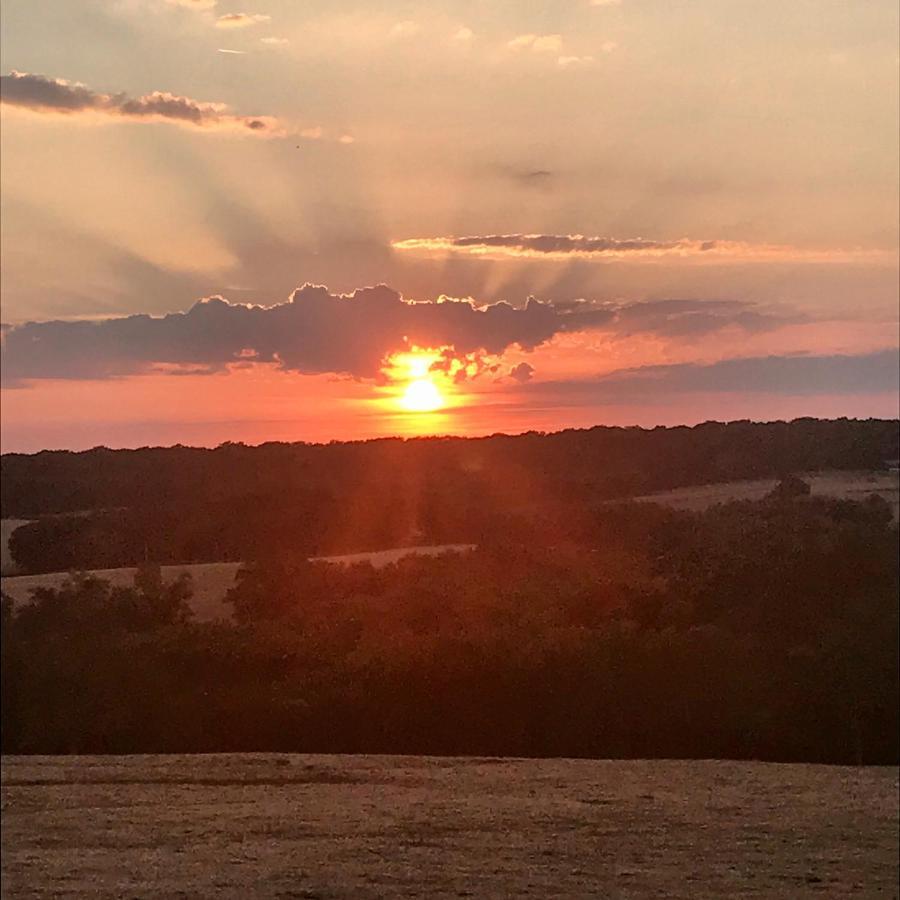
(235, 502)
(581, 626)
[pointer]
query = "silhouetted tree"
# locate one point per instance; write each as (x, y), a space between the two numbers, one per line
(752, 630)
(183, 505)
(790, 488)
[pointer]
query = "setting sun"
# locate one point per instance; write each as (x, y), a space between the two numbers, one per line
(422, 395)
(468, 381)
(415, 382)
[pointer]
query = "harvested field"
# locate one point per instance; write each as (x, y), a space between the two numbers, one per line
(211, 581)
(263, 825)
(843, 485)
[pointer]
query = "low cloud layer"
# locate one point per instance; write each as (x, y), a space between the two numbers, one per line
(570, 246)
(316, 331)
(806, 376)
(40, 94)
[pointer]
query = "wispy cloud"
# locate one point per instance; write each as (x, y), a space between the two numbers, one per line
(406, 29)
(569, 62)
(40, 94)
(241, 20)
(568, 246)
(194, 4)
(539, 43)
(550, 44)
(234, 52)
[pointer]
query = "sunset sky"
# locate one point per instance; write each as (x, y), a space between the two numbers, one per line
(266, 220)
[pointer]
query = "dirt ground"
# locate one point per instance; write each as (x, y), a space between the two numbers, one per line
(240, 826)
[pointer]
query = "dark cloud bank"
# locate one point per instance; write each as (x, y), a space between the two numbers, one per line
(40, 94)
(316, 331)
(779, 375)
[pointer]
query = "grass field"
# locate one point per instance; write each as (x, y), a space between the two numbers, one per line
(371, 827)
(211, 581)
(844, 485)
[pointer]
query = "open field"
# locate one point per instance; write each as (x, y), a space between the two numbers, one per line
(212, 580)
(843, 485)
(259, 825)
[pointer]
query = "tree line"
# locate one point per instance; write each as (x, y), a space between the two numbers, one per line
(764, 630)
(184, 505)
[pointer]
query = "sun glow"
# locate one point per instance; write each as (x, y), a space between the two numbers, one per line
(415, 384)
(422, 395)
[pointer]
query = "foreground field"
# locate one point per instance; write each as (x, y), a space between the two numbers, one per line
(366, 827)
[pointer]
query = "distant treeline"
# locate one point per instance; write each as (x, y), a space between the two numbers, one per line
(183, 505)
(763, 630)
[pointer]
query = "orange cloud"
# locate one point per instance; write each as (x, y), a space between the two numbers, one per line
(241, 20)
(568, 62)
(540, 43)
(569, 246)
(194, 4)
